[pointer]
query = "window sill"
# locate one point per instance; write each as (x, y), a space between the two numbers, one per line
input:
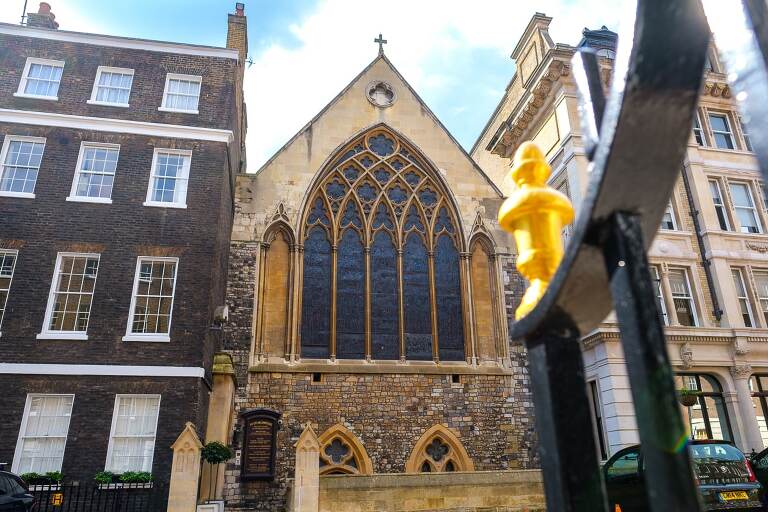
(35, 96)
(63, 336)
(107, 104)
(178, 111)
(25, 195)
(104, 487)
(152, 338)
(99, 200)
(158, 204)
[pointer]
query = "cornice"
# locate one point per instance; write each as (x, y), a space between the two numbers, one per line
(716, 85)
(103, 124)
(514, 128)
(119, 42)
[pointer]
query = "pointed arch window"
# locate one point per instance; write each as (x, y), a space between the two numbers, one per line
(438, 450)
(382, 275)
(483, 278)
(342, 453)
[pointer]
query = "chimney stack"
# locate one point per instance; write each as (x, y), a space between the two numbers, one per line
(237, 32)
(44, 18)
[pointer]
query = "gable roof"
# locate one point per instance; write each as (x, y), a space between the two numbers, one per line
(423, 104)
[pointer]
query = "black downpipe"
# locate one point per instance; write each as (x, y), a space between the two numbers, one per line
(704, 260)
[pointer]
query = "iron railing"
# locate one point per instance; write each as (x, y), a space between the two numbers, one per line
(100, 498)
(636, 139)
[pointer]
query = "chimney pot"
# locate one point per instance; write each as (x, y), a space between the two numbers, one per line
(43, 18)
(240, 9)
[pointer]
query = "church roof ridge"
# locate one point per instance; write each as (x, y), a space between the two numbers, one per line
(381, 56)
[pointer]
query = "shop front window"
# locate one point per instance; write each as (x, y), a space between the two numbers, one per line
(758, 384)
(708, 418)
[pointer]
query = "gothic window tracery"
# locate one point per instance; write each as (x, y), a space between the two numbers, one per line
(382, 227)
(438, 450)
(342, 453)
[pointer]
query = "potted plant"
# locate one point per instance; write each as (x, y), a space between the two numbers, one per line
(136, 479)
(50, 480)
(688, 397)
(214, 453)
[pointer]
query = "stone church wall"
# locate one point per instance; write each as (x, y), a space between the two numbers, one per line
(388, 413)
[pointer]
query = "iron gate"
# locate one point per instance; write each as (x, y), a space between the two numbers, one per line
(100, 498)
(636, 136)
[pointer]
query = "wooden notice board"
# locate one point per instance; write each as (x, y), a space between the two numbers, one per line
(259, 444)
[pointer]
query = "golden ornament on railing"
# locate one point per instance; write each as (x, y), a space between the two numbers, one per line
(535, 214)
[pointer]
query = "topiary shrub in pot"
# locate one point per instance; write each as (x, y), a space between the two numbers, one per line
(214, 453)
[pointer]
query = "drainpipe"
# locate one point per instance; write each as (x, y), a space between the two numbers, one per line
(700, 239)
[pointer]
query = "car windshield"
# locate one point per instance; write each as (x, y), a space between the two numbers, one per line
(714, 451)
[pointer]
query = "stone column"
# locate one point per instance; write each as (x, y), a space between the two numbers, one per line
(752, 438)
(306, 481)
(220, 412)
(185, 471)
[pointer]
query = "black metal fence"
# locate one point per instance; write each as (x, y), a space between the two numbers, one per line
(636, 140)
(95, 498)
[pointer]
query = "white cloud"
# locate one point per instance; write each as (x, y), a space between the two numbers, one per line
(286, 87)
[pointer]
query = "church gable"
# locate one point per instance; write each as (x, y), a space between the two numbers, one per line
(378, 96)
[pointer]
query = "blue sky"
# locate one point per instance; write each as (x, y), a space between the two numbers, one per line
(455, 53)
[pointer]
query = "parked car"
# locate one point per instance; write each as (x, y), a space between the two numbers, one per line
(724, 477)
(14, 493)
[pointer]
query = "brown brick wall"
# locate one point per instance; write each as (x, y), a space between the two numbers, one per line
(121, 232)
(218, 100)
(89, 428)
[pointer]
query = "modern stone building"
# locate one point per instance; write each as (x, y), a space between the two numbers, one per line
(370, 289)
(117, 169)
(710, 256)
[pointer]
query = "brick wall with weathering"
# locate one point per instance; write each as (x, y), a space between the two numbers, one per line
(42, 226)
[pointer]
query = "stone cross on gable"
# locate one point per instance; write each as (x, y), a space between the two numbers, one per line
(381, 42)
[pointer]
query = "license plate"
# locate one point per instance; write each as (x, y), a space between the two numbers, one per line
(734, 495)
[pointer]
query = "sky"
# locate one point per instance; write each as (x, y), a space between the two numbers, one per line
(455, 53)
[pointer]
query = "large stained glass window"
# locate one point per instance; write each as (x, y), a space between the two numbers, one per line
(381, 277)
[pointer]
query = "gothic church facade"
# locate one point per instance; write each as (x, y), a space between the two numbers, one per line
(370, 290)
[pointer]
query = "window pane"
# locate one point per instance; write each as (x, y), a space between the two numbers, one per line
(154, 297)
(169, 182)
(7, 266)
(43, 80)
(133, 434)
(45, 433)
(21, 165)
(71, 298)
(96, 173)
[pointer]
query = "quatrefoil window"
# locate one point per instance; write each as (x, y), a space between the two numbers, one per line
(381, 94)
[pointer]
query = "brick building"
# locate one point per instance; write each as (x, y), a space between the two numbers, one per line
(709, 258)
(370, 288)
(116, 198)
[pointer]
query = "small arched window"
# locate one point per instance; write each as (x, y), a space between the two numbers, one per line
(342, 453)
(382, 276)
(438, 450)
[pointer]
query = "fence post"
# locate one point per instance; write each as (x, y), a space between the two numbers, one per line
(669, 477)
(566, 444)
(220, 414)
(185, 471)
(306, 481)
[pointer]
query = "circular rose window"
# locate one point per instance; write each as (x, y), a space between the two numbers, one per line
(381, 94)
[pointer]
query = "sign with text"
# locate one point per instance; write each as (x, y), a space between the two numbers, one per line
(259, 444)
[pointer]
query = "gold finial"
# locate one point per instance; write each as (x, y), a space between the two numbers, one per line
(535, 214)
